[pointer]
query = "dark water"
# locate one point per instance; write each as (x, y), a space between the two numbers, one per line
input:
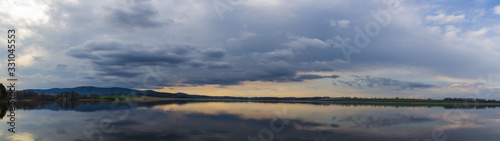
(235, 121)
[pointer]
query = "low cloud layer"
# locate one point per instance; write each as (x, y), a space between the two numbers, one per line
(383, 83)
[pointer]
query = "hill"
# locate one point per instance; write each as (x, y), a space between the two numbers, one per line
(113, 90)
(88, 90)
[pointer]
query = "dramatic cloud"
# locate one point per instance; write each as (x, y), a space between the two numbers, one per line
(115, 53)
(170, 44)
(190, 64)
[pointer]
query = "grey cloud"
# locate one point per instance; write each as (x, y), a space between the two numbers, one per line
(120, 58)
(334, 76)
(217, 65)
(61, 66)
(348, 83)
(309, 76)
(38, 58)
(280, 54)
(214, 53)
(303, 42)
(379, 82)
(193, 67)
(217, 81)
(256, 76)
(196, 64)
(313, 76)
(113, 58)
(116, 53)
(118, 71)
(140, 14)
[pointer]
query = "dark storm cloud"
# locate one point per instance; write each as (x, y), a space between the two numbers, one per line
(271, 72)
(118, 71)
(214, 53)
(120, 58)
(379, 82)
(187, 64)
(313, 76)
(334, 76)
(219, 65)
(113, 58)
(139, 14)
(207, 81)
(309, 76)
(235, 78)
(116, 53)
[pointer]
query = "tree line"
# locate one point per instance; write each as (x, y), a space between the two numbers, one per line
(65, 95)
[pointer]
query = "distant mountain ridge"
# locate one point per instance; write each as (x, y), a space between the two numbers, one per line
(93, 90)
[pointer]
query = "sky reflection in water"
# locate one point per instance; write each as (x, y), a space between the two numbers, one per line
(182, 120)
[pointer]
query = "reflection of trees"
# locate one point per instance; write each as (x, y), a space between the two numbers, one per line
(371, 121)
(3, 92)
(472, 106)
(29, 105)
(95, 104)
(456, 106)
(4, 109)
(64, 105)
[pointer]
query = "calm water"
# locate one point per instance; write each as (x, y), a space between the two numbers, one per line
(234, 121)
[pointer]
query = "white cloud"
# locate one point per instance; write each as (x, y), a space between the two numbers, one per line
(303, 42)
(479, 32)
(22, 137)
(260, 3)
(434, 29)
(332, 22)
(344, 23)
(283, 53)
(464, 85)
(451, 31)
(341, 23)
(26, 12)
(444, 19)
(497, 10)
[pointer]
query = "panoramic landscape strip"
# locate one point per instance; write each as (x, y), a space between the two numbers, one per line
(89, 93)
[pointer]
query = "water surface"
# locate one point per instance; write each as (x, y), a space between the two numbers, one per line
(233, 121)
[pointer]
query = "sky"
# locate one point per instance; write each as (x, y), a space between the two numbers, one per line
(379, 48)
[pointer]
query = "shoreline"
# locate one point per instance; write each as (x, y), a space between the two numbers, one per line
(382, 102)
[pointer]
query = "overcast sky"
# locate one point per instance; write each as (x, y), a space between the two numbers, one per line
(260, 47)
